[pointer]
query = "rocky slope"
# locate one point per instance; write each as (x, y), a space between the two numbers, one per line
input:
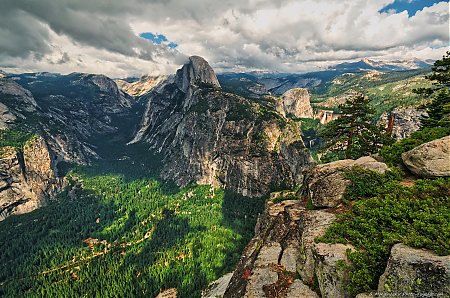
(284, 259)
(28, 178)
(402, 121)
(209, 136)
(141, 87)
(72, 112)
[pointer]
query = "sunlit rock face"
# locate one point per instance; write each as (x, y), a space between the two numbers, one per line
(27, 179)
(209, 136)
(295, 103)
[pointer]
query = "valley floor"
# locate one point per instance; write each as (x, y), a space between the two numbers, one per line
(118, 232)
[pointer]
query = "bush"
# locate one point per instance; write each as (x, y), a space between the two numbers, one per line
(14, 138)
(387, 213)
(392, 154)
(366, 184)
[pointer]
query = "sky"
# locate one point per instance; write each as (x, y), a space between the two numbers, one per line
(136, 37)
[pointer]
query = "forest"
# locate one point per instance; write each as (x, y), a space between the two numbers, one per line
(119, 232)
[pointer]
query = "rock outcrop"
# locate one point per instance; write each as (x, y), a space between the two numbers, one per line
(402, 121)
(431, 159)
(283, 259)
(141, 87)
(275, 245)
(416, 271)
(295, 103)
(313, 223)
(196, 71)
(218, 287)
(15, 103)
(212, 137)
(326, 184)
(27, 179)
(330, 269)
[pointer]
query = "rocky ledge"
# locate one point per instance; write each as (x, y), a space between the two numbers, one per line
(285, 259)
(27, 179)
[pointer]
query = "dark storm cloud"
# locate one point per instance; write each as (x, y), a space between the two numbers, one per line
(100, 24)
(21, 35)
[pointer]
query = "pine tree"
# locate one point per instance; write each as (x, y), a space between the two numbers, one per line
(353, 132)
(439, 108)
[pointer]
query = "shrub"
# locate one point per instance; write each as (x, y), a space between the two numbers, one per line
(387, 213)
(392, 154)
(14, 138)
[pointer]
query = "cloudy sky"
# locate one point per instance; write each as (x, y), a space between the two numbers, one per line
(134, 37)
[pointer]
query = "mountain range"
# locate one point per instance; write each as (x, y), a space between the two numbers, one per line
(158, 186)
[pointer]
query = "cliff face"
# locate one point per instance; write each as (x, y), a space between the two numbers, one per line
(211, 137)
(141, 87)
(295, 103)
(283, 260)
(402, 121)
(27, 179)
(70, 111)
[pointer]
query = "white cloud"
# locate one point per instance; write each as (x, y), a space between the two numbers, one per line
(285, 35)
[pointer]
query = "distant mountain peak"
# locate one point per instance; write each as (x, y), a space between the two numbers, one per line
(387, 65)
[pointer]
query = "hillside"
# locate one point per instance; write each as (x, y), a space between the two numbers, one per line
(385, 89)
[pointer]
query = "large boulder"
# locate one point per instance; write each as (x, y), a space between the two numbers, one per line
(299, 290)
(416, 271)
(295, 102)
(431, 159)
(326, 184)
(313, 224)
(331, 273)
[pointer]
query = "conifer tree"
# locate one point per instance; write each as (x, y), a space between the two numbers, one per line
(353, 132)
(438, 109)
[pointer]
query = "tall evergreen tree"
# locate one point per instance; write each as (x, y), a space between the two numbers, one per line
(353, 132)
(439, 108)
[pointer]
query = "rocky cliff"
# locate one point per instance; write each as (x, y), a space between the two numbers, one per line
(28, 178)
(286, 259)
(141, 87)
(402, 121)
(209, 136)
(295, 103)
(72, 112)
